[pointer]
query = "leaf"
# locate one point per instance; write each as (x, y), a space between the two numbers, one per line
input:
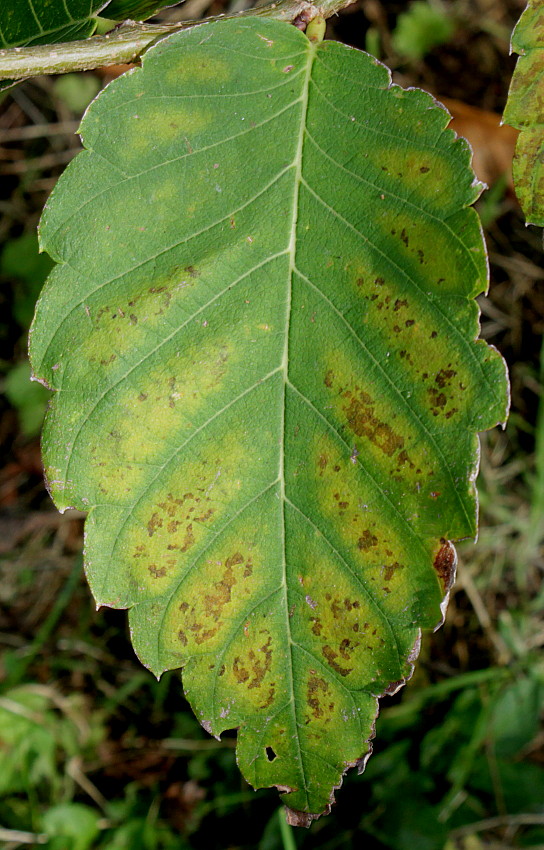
(30, 22)
(262, 336)
(25, 22)
(525, 110)
(422, 28)
(135, 10)
(73, 821)
(29, 398)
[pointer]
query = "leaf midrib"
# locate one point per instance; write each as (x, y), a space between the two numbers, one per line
(286, 382)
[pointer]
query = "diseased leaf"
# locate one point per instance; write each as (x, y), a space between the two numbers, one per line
(262, 333)
(525, 110)
(29, 22)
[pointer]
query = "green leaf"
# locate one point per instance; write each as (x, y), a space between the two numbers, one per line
(72, 821)
(76, 90)
(525, 110)
(421, 28)
(21, 261)
(135, 10)
(28, 22)
(29, 398)
(27, 742)
(262, 333)
(24, 22)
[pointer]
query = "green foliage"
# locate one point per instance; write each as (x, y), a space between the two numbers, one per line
(21, 261)
(135, 10)
(71, 825)
(33, 736)
(525, 110)
(27, 22)
(424, 26)
(268, 384)
(28, 398)
(77, 90)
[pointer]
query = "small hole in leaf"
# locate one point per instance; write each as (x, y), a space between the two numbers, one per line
(270, 754)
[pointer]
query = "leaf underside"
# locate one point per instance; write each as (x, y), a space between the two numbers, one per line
(262, 333)
(525, 111)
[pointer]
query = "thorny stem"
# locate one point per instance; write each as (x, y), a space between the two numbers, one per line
(129, 41)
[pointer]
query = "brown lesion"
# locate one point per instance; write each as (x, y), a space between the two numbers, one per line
(188, 540)
(362, 417)
(154, 523)
(367, 541)
(236, 566)
(252, 669)
(270, 696)
(362, 420)
(389, 570)
(322, 462)
(331, 657)
(347, 648)
(444, 563)
(174, 518)
(317, 626)
(444, 376)
(317, 695)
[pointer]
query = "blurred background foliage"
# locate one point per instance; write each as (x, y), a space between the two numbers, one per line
(97, 755)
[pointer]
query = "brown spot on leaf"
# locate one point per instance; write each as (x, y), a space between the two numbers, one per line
(367, 541)
(209, 513)
(240, 673)
(237, 558)
(270, 697)
(438, 400)
(154, 523)
(331, 657)
(317, 688)
(362, 420)
(444, 377)
(444, 564)
(189, 539)
(389, 570)
(317, 625)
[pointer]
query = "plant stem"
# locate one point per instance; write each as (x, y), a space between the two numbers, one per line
(128, 42)
(286, 832)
